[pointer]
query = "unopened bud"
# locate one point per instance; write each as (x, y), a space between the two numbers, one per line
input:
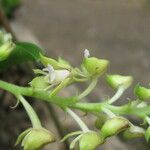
(36, 139)
(115, 81)
(113, 126)
(142, 92)
(90, 141)
(95, 66)
(39, 83)
(133, 132)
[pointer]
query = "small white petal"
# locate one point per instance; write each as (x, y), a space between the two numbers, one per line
(86, 53)
(50, 68)
(51, 72)
(52, 76)
(56, 76)
(61, 75)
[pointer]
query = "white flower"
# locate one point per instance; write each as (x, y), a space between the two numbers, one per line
(86, 53)
(56, 76)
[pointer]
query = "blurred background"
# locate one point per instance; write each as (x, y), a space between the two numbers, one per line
(117, 30)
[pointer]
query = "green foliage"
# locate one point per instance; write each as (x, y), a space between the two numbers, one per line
(22, 52)
(9, 5)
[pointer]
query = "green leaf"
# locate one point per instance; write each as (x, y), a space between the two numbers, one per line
(9, 5)
(22, 52)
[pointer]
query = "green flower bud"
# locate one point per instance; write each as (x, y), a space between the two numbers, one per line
(95, 66)
(115, 81)
(100, 121)
(133, 132)
(35, 139)
(114, 126)
(60, 64)
(147, 134)
(5, 50)
(90, 141)
(142, 92)
(40, 83)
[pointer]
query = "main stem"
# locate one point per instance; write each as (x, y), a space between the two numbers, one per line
(72, 102)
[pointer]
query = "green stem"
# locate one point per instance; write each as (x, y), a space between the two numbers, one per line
(117, 95)
(31, 113)
(60, 86)
(14, 89)
(43, 95)
(72, 102)
(109, 113)
(89, 107)
(78, 120)
(88, 89)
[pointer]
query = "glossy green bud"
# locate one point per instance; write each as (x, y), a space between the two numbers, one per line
(115, 81)
(142, 92)
(100, 121)
(40, 83)
(147, 134)
(134, 132)
(35, 139)
(90, 141)
(114, 126)
(60, 64)
(95, 66)
(5, 50)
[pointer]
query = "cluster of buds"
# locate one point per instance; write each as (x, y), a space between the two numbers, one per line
(58, 74)
(143, 95)
(6, 45)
